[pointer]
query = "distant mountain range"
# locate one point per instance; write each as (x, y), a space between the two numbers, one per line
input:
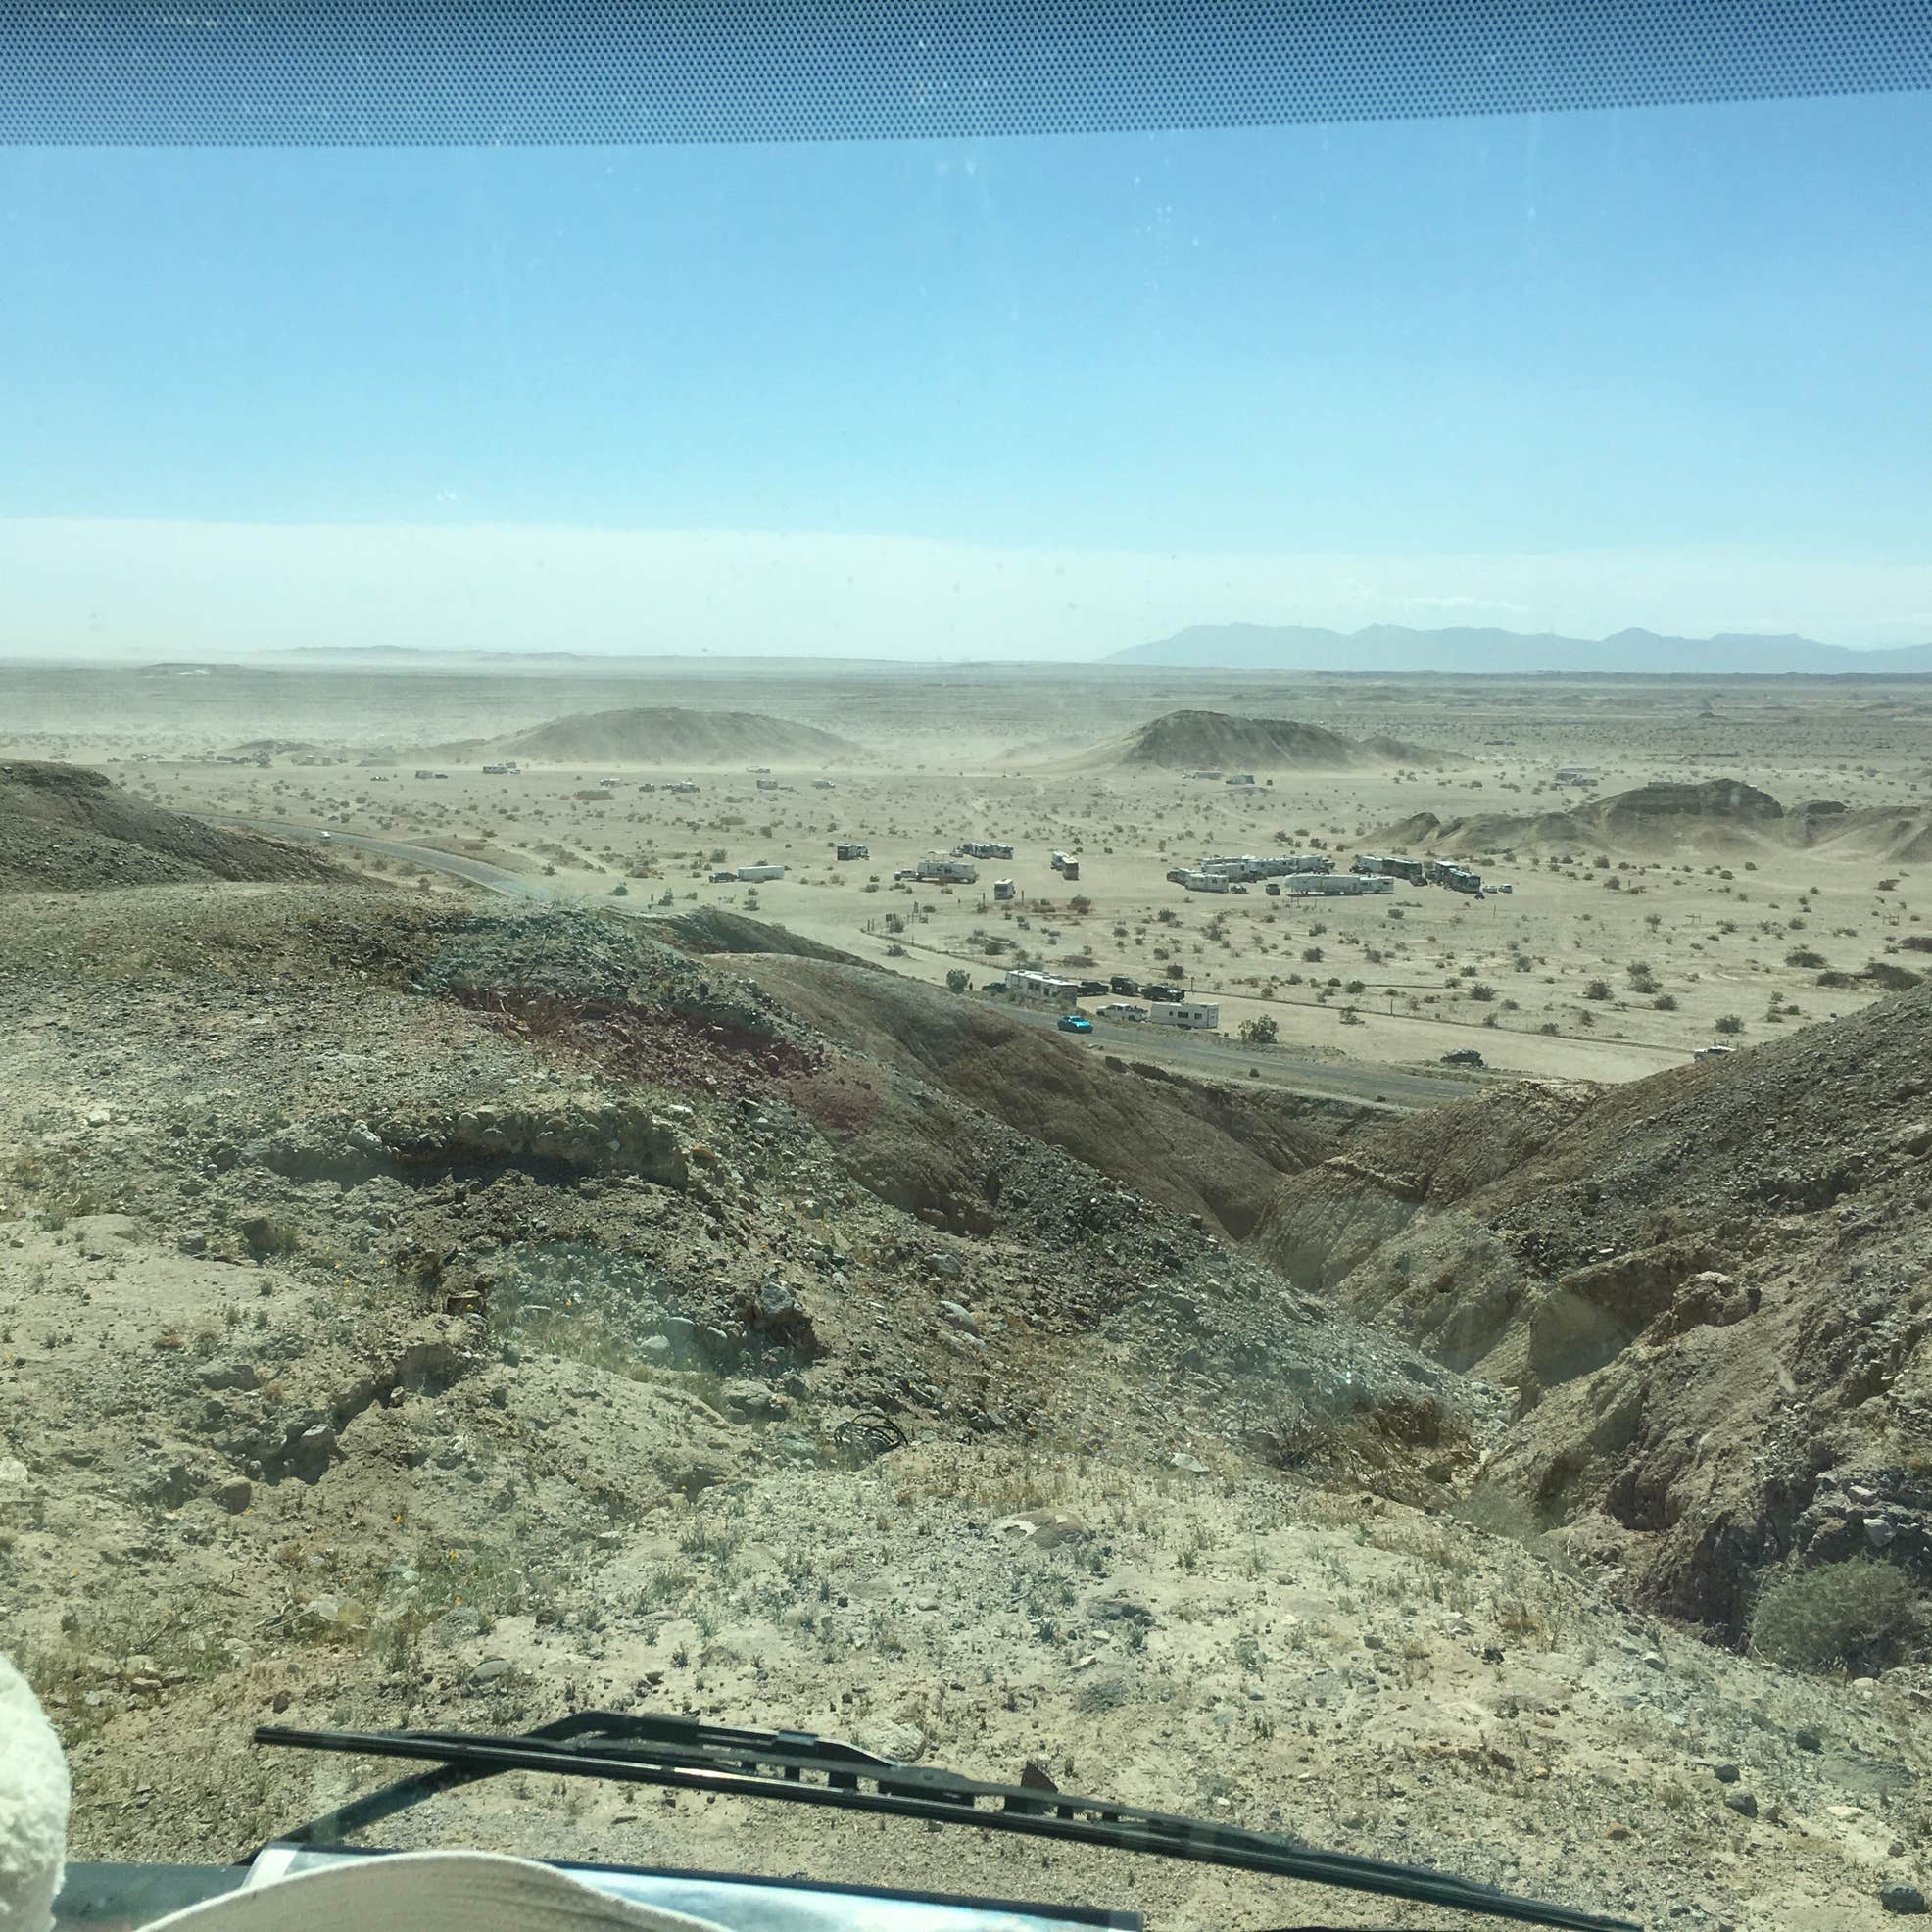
(1397, 647)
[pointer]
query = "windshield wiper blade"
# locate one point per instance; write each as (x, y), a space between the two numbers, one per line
(688, 1755)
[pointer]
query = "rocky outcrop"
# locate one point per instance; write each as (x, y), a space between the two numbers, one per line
(586, 1135)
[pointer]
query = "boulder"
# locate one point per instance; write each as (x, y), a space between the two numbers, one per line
(776, 1310)
(234, 1494)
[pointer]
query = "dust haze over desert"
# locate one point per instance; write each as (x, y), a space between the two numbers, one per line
(499, 1214)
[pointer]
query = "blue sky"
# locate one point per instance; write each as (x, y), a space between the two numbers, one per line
(1021, 398)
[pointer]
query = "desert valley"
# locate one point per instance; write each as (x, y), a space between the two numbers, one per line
(497, 1213)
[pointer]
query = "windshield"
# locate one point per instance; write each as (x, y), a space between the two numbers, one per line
(1093, 956)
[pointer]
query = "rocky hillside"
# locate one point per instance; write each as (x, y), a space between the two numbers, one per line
(707, 929)
(1190, 740)
(1212, 1152)
(431, 1314)
(1707, 1288)
(63, 828)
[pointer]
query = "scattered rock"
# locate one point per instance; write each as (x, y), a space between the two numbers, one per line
(887, 1737)
(312, 1451)
(1741, 1802)
(457, 1625)
(1907, 1901)
(1725, 1773)
(1044, 1530)
(697, 1473)
(752, 1401)
(227, 1374)
(236, 1494)
(776, 1311)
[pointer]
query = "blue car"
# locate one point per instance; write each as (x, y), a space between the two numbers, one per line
(1075, 1022)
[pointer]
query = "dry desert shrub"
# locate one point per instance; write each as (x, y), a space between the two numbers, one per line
(1856, 1616)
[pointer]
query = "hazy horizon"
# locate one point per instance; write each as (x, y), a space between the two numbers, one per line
(146, 589)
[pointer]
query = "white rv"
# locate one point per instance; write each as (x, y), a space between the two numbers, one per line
(1199, 1014)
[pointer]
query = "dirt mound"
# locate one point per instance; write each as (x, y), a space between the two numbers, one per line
(1722, 798)
(664, 735)
(1705, 1286)
(1714, 814)
(1902, 837)
(63, 828)
(1480, 833)
(1192, 741)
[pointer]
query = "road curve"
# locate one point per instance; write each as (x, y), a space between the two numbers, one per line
(429, 857)
(1322, 1079)
(1325, 1080)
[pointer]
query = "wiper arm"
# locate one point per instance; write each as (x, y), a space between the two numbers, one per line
(686, 1754)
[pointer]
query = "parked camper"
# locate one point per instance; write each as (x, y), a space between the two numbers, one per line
(981, 849)
(845, 855)
(1032, 985)
(947, 871)
(1201, 1015)
(1002, 891)
(752, 874)
(1456, 878)
(1337, 885)
(1067, 867)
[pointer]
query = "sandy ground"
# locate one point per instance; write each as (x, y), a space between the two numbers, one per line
(1600, 972)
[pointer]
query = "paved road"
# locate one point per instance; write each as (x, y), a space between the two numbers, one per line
(511, 885)
(1327, 1080)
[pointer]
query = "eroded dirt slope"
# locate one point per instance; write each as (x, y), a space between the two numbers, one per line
(1709, 1289)
(64, 827)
